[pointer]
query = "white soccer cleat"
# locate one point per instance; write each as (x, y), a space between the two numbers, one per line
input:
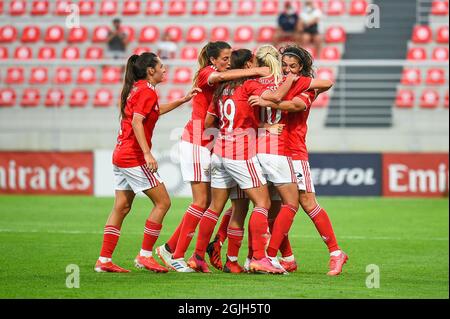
(247, 264)
(274, 261)
(180, 265)
(164, 255)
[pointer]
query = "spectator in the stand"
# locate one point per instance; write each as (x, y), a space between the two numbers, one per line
(310, 19)
(289, 27)
(117, 41)
(167, 48)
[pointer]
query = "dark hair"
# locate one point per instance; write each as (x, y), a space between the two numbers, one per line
(136, 70)
(303, 57)
(238, 60)
(211, 50)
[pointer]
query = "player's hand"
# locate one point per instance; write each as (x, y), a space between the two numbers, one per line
(256, 100)
(263, 71)
(292, 77)
(191, 94)
(275, 129)
(150, 162)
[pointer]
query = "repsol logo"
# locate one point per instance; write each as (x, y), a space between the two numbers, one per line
(351, 176)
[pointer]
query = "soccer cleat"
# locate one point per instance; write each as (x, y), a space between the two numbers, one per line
(247, 264)
(336, 264)
(165, 255)
(290, 266)
(213, 251)
(232, 267)
(179, 265)
(149, 263)
(274, 261)
(263, 265)
(198, 264)
(108, 267)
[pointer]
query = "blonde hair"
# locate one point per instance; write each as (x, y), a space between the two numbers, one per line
(268, 55)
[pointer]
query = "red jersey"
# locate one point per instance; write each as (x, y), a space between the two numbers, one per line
(142, 100)
(238, 124)
(193, 131)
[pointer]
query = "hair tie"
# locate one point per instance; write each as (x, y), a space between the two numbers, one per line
(292, 54)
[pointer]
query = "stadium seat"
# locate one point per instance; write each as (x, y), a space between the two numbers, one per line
(30, 97)
(200, 7)
(8, 33)
(129, 31)
(220, 34)
(411, 77)
(325, 74)
(335, 35)
(175, 94)
(39, 7)
(17, 7)
(446, 100)
(1, 6)
(182, 75)
(86, 75)
(111, 74)
(439, 8)
(243, 34)
(154, 7)
(177, 7)
(266, 34)
(62, 7)
(422, 34)
(108, 8)
(149, 34)
(223, 7)
(7, 97)
(269, 7)
(4, 53)
(131, 7)
(335, 7)
(54, 97)
(103, 98)
(39, 75)
(78, 35)
(78, 97)
(442, 34)
(31, 34)
(440, 54)
(94, 53)
(63, 75)
(429, 99)
(330, 53)
(23, 53)
(47, 53)
(435, 77)
(100, 34)
(70, 53)
(140, 50)
(87, 7)
(405, 99)
(54, 34)
(246, 7)
(15, 75)
(358, 7)
(189, 53)
(196, 34)
(175, 32)
(417, 54)
(323, 100)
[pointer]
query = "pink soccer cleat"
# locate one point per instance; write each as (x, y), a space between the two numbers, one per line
(336, 264)
(108, 267)
(264, 265)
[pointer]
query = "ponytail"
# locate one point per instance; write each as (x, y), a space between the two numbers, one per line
(127, 83)
(268, 56)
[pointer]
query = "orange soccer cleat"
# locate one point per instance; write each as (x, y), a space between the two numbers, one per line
(290, 266)
(108, 267)
(336, 264)
(233, 267)
(149, 263)
(198, 264)
(213, 251)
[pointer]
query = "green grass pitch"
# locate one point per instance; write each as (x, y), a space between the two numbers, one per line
(406, 238)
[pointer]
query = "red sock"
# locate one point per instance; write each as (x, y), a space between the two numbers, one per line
(235, 236)
(259, 228)
(323, 225)
(223, 228)
(205, 231)
(191, 219)
(281, 228)
(111, 236)
(172, 242)
(285, 247)
(151, 234)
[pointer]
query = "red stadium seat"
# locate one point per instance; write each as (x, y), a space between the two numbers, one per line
(94, 53)
(23, 53)
(220, 34)
(439, 8)
(70, 53)
(15, 75)
(323, 100)
(246, 7)
(358, 7)
(440, 54)
(175, 94)
(63, 75)
(417, 54)
(411, 77)
(100, 34)
(47, 53)
(140, 50)
(311, 51)
(330, 53)
(223, 7)
(177, 7)
(30, 97)
(189, 53)
(78, 35)
(154, 7)
(335, 35)
(17, 7)
(8, 33)
(7, 97)
(54, 34)
(129, 31)
(269, 7)
(176, 33)
(1, 6)
(336, 7)
(446, 100)
(266, 34)
(31, 34)
(182, 75)
(131, 7)
(405, 99)
(429, 99)
(39, 75)
(435, 77)
(86, 75)
(62, 7)
(149, 34)
(422, 34)
(442, 34)
(325, 74)
(54, 98)
(78, 97)
(196, 34)
(111, 74)
(87, 7)
(4, 53)
(103, 98)
(39, 7)
(200, 7)
(108, 8)
(243, 34)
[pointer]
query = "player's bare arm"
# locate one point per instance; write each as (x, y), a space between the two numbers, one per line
(138, 129)
(230, 75)
(166, 108)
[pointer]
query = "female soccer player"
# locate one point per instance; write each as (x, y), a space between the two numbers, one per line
(195, 147)
(135, 168)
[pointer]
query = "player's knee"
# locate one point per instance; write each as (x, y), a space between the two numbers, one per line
(202, 203)
(308, 203)
(263, 203)
(123, 209)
